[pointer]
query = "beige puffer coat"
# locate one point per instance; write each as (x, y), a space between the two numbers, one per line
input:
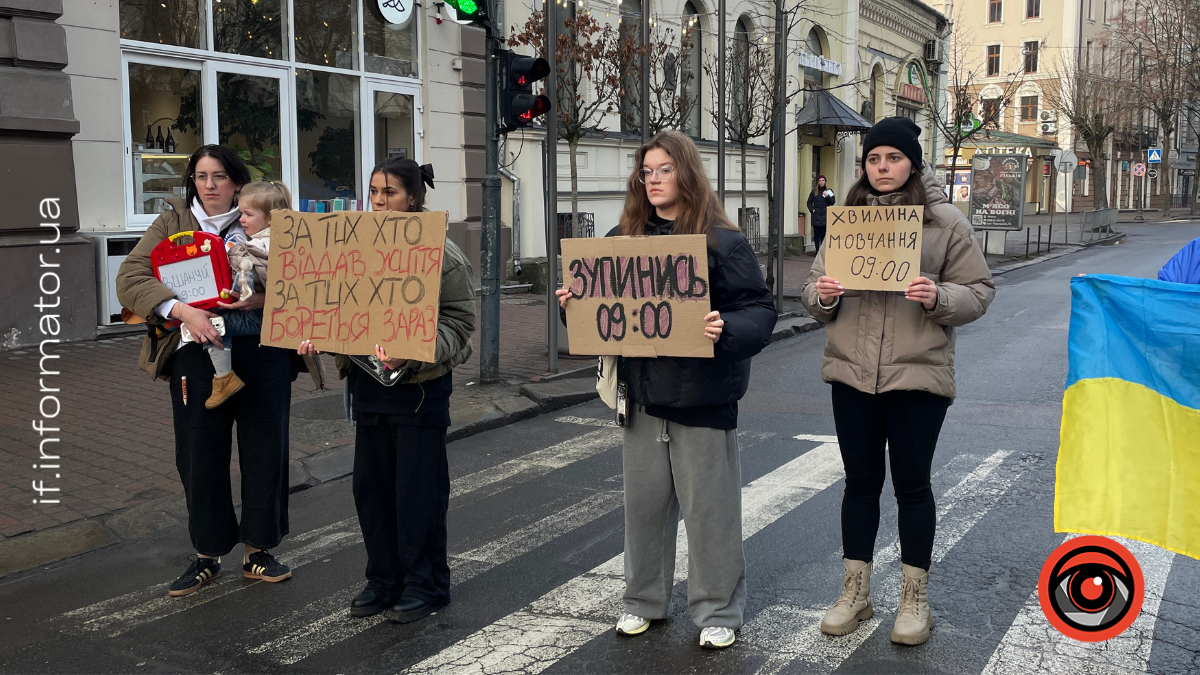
(879, 341)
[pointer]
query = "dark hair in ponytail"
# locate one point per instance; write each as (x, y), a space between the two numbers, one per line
(412, 176)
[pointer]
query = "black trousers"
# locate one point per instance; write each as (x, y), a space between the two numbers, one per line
(907, 424)
(402, 493)
(204, 445)
(818, 237)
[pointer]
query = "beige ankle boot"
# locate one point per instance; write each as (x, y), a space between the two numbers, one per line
(913, 618)
(224, 386)
(854, 604)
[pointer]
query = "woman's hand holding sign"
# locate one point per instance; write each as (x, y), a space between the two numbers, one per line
(563, 294)
(921, 290)
(715, 325)
(828, 290)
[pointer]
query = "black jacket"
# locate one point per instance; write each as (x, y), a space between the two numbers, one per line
(817, 206)
(741, 296)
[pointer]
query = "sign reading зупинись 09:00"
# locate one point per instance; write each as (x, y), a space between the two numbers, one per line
(637, 296)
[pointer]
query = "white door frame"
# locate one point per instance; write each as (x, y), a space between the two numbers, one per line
(367, 137)
(287, 110)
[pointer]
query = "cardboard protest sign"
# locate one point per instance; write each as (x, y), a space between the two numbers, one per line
(638, 296)
(350, 280)
(874, 248)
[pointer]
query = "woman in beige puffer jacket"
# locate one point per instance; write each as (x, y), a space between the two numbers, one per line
(890, 360)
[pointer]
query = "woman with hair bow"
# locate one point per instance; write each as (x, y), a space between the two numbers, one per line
(401, 410)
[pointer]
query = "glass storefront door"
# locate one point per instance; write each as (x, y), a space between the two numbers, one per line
(393, 129)
(251, 118)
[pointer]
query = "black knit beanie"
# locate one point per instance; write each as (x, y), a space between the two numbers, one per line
(900, 133)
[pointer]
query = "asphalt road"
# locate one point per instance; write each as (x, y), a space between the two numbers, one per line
(536, 539)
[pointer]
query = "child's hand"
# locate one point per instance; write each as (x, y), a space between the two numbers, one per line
(256, 301)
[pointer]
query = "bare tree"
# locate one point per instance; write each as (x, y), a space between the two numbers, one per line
(1091, 102)
(590, 59)
(671, 102)
(749, 91)
(973, 105)
(1162, 32)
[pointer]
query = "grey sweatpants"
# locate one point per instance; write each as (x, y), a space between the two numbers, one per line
(670, 468)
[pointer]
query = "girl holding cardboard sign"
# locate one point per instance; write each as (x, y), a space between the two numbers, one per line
(680, 444)
(401, 410)
(203, 436)
(890, 360)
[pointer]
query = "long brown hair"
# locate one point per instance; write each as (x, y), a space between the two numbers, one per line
(913, 191)
(699, 208)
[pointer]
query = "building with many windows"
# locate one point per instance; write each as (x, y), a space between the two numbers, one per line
(104, 100)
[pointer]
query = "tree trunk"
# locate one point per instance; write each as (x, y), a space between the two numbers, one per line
(1099, 171)
(1164, 173)
(573, 145)
(742, 215)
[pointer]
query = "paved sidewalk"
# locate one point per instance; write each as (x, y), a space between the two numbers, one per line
(117, 436)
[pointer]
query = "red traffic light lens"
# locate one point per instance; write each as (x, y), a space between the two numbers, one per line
(541, 106)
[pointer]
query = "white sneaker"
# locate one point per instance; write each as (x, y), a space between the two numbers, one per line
(629, 624)
(717, 637)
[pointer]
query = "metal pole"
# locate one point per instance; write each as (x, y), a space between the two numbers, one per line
(645, 94)
(1140, 129)
(551, 167)
(720, 80)
(489, 335)
(780, 202)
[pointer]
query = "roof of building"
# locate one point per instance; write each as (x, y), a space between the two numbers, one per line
(993, 137)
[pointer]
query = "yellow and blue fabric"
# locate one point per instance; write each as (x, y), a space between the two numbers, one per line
(1129, 453)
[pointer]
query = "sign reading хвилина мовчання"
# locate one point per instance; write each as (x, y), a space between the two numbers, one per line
(873, 248)
(350, 280)
(638, 296)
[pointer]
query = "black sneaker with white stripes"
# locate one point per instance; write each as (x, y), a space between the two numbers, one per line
(262, 565)
(200, 572)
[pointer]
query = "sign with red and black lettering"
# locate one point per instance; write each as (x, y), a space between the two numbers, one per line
(638, 296)
(351, 280)
(874, 248)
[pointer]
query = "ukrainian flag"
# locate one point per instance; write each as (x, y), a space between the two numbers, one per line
(1129, 453)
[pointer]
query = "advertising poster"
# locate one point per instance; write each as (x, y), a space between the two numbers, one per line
(961, 190)
(998, 192)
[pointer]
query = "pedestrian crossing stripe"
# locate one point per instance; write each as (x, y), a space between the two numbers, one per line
(567, 617)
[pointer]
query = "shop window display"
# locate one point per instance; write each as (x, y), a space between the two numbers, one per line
(326, 110)
(391, 49)
(178, 23)
(248, 117)
(250, 27)
(165, 128)
(326, 32)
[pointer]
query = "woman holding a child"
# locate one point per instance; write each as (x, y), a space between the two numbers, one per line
(218, 377)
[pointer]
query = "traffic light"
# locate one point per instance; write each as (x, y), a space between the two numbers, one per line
(469, 10)
(518, 105)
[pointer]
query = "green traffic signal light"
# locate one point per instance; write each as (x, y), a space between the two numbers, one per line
(467, 9)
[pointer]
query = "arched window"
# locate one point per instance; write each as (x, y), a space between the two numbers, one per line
(876, 93)
(691, 51)
(741, 68)
(631, 81)
(813, 78)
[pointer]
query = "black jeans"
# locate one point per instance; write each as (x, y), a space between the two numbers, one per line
(204, 445)
(818, 237)
(907, 423)
(402, 494)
